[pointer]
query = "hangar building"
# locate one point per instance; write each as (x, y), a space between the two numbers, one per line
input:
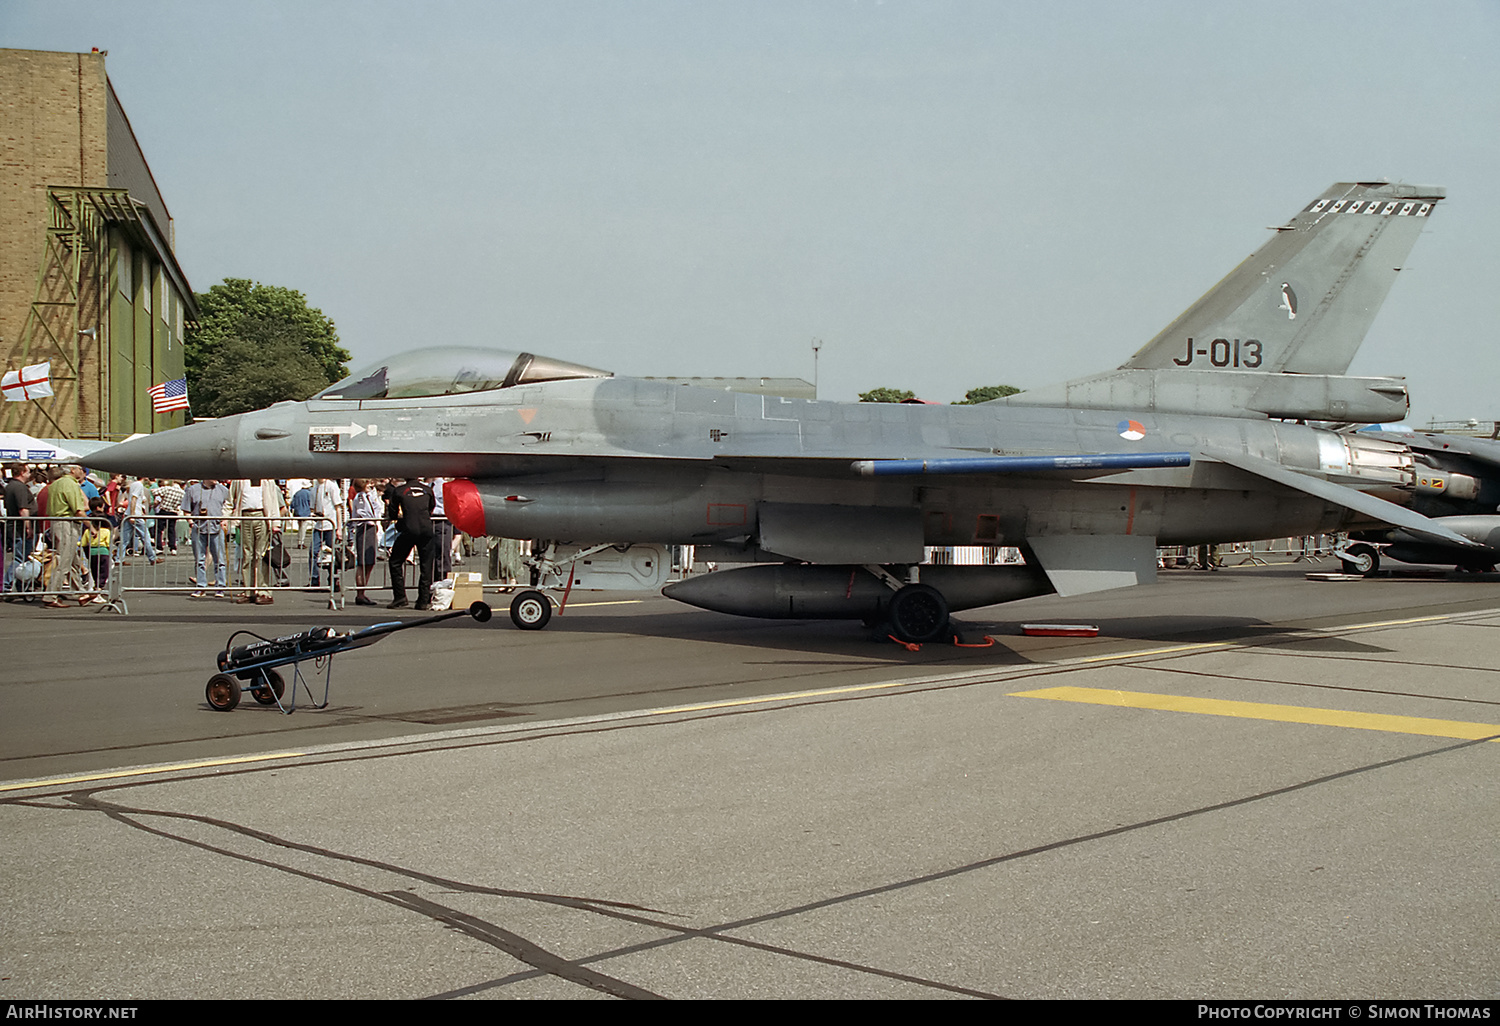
(89, 282)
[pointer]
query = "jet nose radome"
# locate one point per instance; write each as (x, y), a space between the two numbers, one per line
(205, 450)
(464, 507)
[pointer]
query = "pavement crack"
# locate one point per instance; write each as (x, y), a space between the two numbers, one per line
(511, 943)
(522, 949)
(995, 860)
(542, 961)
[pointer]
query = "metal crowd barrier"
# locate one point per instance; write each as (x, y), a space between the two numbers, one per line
(973, 555)
(310, 568)
(1312, 548)
(47, 573)
(284, 568)
(379, 579)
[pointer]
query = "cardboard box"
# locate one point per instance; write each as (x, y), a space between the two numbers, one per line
(468, 588)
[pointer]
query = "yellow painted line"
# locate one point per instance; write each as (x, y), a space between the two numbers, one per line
(1264, 711)
(1396, 623)
(1206, 646)
(147, 770)
(853, 689)
(1140, 653)
(613, 602)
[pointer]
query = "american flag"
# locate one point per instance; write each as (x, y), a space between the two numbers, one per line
(169, 396)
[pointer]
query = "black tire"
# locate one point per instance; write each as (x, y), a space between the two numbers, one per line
(269, 697)
(222, 692)
(530, 610)
(918, 613)
(1361, 559)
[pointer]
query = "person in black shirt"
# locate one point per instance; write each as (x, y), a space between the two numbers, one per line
(409, 507)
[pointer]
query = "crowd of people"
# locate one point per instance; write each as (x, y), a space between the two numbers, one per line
(61, 527)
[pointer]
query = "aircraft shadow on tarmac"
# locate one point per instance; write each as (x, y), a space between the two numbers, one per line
(853, 641)
(850, 642)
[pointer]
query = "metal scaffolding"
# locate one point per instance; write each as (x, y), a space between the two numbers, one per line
(68, 323)
(65, 322)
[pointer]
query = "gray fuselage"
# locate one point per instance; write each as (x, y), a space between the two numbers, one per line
(622, 459)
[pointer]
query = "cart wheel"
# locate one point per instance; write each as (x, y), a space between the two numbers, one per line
(223, 692)
(272, 695)
(530, 610)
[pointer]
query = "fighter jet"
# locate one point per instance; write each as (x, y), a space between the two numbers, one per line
(1458, 486)
(1201, 437)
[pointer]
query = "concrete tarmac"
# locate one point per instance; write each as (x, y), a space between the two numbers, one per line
(1249, 785)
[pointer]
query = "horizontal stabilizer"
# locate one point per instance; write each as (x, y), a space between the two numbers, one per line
(1228, 393)
(1370, 505)
(1077, 564)
(1023, 464)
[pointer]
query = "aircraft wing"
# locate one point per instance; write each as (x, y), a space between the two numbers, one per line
(1349, 498)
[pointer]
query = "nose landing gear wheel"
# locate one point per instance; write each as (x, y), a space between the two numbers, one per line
(530, 610)
(1361, 559)
(918, 613)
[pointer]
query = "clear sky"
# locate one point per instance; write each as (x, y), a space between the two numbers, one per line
(947, 194)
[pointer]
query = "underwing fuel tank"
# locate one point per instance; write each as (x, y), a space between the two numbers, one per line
(1483, 529)
(842, 592)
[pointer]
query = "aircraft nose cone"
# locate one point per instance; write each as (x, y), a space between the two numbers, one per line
(205, 450)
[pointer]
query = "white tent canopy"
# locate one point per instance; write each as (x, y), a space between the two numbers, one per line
(20, 448)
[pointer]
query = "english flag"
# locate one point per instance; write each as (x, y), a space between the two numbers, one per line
(32, 382)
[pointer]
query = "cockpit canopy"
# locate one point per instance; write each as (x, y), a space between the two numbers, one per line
(450, 370)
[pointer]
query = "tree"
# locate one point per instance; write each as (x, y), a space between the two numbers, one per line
(985, 393)
(244, 375)
(885, 395)
(285, 348)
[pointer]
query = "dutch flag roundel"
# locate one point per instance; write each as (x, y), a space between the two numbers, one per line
(1131, 429)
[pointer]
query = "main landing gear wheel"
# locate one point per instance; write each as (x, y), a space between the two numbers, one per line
(918, 613)
(223, 692)
(1361, 559)
(530, 610)
(263, 694)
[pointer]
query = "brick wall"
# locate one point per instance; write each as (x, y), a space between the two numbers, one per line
(52, 132)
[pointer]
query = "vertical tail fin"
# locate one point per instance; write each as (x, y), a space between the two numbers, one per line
(1303, 302)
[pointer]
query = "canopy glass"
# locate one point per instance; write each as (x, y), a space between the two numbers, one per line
(450, 370)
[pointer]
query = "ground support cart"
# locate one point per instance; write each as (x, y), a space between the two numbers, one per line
(253, 666)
